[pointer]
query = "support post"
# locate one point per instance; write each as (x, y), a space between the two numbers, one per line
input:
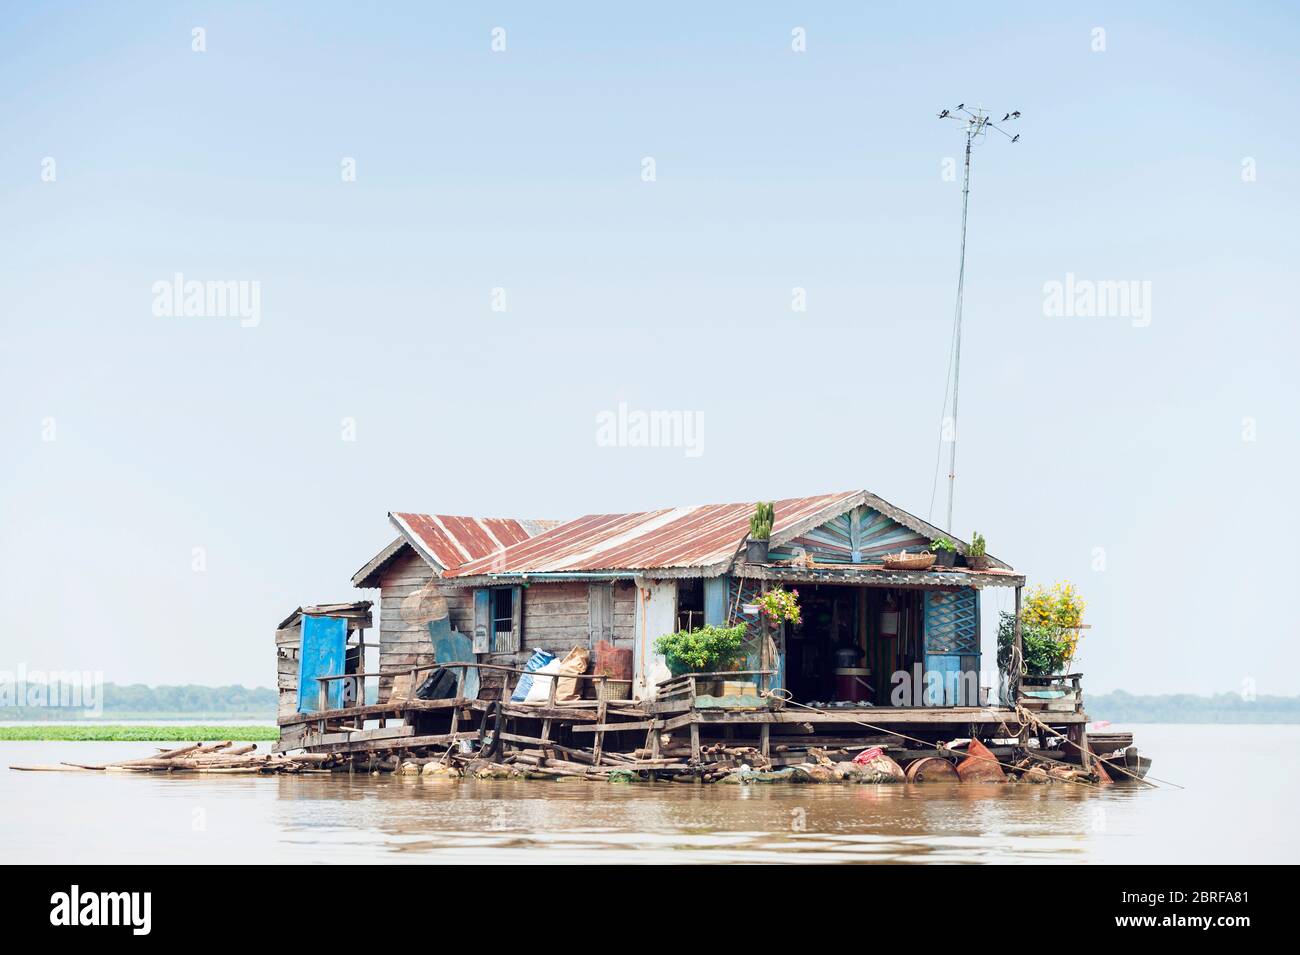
(1016, 665)
(601, 708)
(1017, 655)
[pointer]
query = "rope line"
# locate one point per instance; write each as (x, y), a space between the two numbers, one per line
(880, 729)
(1021, 712)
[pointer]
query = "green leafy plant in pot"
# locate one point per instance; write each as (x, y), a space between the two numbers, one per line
(977, 557)
(760, 533)
(702, 650)
(945, 552)
(1047, 648)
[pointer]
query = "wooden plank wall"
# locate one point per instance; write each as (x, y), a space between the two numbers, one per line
(403, 643)
(287, 644)
(556, 617)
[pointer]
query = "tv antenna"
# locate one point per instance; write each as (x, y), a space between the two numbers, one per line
(976, 124)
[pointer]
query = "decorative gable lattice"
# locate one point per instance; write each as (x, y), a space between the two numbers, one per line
(863, 532)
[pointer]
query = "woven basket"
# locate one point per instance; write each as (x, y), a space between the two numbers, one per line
(909, 561)
(613, 689)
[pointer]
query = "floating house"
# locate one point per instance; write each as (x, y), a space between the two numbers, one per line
(890, 648)
(517, 586)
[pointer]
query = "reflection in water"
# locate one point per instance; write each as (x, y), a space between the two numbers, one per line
(342, 818)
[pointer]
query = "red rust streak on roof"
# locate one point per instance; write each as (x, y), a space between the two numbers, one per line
(674, 537)
(452, 540)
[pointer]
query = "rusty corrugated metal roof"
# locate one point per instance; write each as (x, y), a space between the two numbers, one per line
(680, 537)
(449, 541)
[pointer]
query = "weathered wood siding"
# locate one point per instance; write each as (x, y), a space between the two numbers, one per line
(556, 617)
(288, 643)
(404, 643)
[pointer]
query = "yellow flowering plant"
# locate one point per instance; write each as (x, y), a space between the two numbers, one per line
(1056, 608)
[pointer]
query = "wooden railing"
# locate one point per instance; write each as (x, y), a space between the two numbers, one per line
(685, 686)
(463, 666)
(1071, 698)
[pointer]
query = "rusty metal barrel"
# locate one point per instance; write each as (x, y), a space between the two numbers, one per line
(932, 769)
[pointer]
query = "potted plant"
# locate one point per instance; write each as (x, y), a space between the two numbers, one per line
(760, 532)
(945, 552)
(705, 649)
(780, 605)
(1050, 624)
(977, 557)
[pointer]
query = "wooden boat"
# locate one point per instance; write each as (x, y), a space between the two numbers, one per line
(1104, 744)
(1134, 762)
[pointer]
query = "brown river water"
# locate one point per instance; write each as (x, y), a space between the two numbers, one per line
(1237, 807)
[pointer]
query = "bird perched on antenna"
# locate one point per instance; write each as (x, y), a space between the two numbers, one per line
(944, 114)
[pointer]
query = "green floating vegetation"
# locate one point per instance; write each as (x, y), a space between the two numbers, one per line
(108, 733)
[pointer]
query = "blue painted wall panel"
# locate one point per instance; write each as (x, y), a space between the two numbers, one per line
(322, 654)
(716, 590)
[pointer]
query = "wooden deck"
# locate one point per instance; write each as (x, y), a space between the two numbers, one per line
(679, 734)
(585, 725)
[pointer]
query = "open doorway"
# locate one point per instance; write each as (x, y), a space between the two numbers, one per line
(851, 641)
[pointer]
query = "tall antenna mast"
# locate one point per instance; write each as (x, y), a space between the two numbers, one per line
(976, 124)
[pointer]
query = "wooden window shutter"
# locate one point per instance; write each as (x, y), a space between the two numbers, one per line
(600, 613)
(482, 620)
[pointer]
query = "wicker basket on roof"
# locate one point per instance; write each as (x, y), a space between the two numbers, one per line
(905, 561)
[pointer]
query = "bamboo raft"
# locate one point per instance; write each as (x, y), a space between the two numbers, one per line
(223, 758)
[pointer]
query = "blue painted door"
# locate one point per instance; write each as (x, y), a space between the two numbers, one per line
(322, 654)
(952, 647)
(716, 591)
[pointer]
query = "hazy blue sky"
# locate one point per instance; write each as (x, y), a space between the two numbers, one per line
(1169, 157)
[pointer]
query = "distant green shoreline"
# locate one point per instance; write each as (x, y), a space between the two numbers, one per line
(108, 733)
(1222, 708)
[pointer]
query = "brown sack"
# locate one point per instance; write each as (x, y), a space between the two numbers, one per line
(574, 663)
(401, 687)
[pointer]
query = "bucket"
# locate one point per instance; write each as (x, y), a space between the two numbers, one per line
(852, 683)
